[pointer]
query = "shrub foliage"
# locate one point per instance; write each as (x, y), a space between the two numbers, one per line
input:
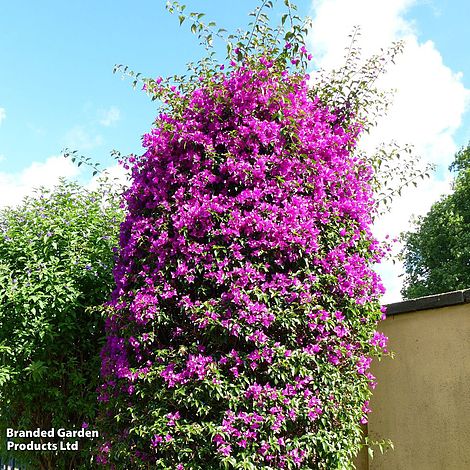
(55, 272)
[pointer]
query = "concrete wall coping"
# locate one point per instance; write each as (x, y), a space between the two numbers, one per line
(429, 302)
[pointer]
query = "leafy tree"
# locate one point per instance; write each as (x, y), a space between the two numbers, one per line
(437, 252)
(244, 317)
(56, 259)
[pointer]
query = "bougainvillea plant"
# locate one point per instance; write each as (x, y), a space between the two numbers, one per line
(243, 322)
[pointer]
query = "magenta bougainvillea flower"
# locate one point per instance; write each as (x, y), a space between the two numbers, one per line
(243, 321)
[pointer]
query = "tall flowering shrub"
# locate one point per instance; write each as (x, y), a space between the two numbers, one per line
(244, 316)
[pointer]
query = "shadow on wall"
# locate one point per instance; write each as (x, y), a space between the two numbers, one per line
(422, 400)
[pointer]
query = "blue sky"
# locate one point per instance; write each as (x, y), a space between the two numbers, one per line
(57, 88)
(57, 85)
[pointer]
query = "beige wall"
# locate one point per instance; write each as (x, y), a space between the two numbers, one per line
(422, 400)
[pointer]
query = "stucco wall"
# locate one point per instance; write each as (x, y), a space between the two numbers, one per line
(422, 400)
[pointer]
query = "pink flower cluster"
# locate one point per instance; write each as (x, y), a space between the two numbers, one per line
(244, 267)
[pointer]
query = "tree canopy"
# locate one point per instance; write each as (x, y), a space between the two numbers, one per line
(437, 251)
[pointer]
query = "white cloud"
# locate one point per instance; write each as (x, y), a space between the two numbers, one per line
(110, 116)
(413, 202)
(381, 23)
(429, 103)
(13, 187)
(115, 174)
(3, 115)
(78, 138)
